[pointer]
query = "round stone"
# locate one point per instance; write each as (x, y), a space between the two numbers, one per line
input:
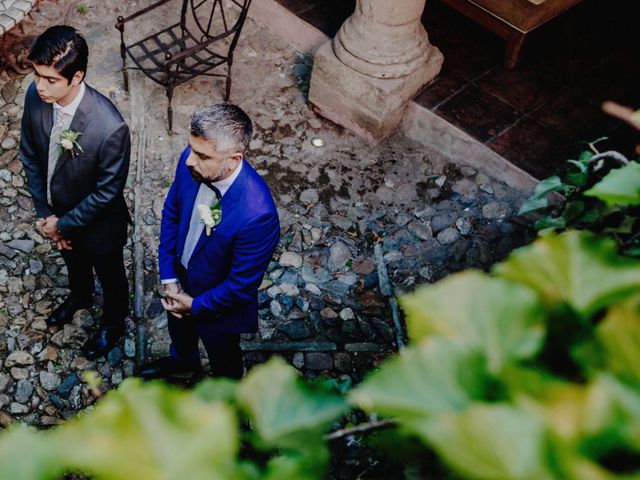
(19, 358)
(290, 259)
(309, 196)
(448, 236)
(328, 313)
(298, 360)
(9, 143)
(347, 314)
(312, 288)
(49, 381)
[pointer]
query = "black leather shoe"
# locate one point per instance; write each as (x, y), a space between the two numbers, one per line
(102, 342)
(64, 313)
(168, 367)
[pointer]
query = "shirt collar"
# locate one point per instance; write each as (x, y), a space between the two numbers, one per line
(73, 106)
(224, 185)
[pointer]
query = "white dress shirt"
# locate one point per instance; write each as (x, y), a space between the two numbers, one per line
(205, 196)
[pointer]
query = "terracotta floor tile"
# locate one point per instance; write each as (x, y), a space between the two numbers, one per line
(445, 84)
(614, 80)
(533, 147)
(478, 113)
(522, 88)
(574, 117)
(329, 15)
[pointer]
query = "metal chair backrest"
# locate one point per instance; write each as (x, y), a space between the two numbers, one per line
(209, 19)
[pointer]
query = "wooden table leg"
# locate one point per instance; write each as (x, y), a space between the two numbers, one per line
(514, 49)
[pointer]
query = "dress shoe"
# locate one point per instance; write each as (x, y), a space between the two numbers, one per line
(102, 342)
(168, 367)
(64, 313)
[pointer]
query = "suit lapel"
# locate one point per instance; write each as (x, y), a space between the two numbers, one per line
(79, 122)
(46, 113)
(228, 199)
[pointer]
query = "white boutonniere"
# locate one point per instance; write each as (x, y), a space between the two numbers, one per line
(68, 142)
(210, 215)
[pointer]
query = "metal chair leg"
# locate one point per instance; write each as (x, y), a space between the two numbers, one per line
(227, 93)
(123, 54)
(170, 88)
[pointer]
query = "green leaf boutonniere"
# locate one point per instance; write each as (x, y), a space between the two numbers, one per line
(68, 142)
(211, 215)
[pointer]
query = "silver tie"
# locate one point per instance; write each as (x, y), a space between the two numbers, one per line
(56, 130)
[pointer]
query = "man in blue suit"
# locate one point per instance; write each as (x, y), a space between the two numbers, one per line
(219, 230)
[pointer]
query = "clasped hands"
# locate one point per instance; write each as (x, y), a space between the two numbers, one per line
(49, 226)
(176, 301)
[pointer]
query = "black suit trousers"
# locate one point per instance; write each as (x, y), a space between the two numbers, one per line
(223, 349)
(109, 268)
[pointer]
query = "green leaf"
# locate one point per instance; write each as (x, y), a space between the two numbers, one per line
(137, 432)
(577, 268)
(577, 173)
(433, 376)
(538, 200)
(490, 442)
(294, 465)
(500, 319)
(214, 390)
(533, 204)
(572, 210)
(619, 334)
(144, 425)
(590, 216)
(284, 408)
(619, 187)
(26, 453)
(550, 222)
(585, 156)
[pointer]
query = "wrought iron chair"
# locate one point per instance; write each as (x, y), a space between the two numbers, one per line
(203, 40)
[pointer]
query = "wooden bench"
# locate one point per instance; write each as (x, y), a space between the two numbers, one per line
(512, 20)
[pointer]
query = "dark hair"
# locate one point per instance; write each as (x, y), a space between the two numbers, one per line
(63, 48)
(224, 124)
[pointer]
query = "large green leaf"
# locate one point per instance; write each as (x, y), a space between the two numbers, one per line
(144, 427)
(500, 319)
(489, 442)
(575, 267)
(285, 409)
(145, 431)
(217, 390)
(620, 187)
(609, 430)
(26, 454)
(433, 376)
(619, 334)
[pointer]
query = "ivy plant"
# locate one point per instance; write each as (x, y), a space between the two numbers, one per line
(599, 192)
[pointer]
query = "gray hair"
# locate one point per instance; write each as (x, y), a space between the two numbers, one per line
(227, 126)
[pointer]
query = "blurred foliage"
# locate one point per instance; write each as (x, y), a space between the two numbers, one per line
(529, 372)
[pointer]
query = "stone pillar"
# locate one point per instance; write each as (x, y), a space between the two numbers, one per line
(378, 61)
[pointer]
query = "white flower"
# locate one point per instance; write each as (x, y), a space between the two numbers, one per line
(66, 144)
(205, 215)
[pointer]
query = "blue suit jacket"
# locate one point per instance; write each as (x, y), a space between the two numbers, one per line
(226, 268)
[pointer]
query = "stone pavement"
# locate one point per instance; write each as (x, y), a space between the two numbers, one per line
(321, 304)
(12, 12)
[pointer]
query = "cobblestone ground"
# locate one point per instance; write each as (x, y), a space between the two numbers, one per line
(321, 303)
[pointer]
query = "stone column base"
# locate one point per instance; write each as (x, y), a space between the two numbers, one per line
(371, 107)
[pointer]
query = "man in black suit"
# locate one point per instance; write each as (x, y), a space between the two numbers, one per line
(75, 150)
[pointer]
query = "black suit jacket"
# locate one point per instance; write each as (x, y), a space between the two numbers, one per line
(86, 190)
